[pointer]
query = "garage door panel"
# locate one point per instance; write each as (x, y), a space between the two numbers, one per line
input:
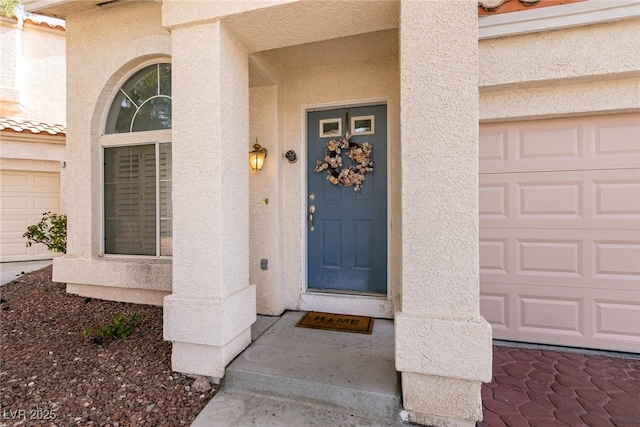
(558, 142)
(604, 259)
(46, 204)
(546, 314)
(494, 256)
(19, 203)
(494, 306)
(616, 136)
(14, 181)
(617, 199)
(615, 319)
(575, 143)
(493, 146)
(46, 181)
(549, 200)
(592, 318)
(600, 199)
(25, 196)
(11, 227)
(550, 258)
(493, 200)
(560, 230)
(613, 260)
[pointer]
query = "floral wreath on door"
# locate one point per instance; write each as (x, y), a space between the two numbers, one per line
(333, 164)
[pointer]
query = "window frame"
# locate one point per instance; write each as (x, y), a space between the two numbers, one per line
(128, 140)
(118, 89)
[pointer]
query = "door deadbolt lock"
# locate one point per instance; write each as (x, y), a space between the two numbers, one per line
(312, 196)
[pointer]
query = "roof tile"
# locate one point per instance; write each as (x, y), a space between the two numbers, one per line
(31, 126)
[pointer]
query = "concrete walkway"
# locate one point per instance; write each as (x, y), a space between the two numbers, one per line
(307, 377)
(288, 375)
(10, 271)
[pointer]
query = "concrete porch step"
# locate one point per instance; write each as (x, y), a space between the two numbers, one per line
(354, 372)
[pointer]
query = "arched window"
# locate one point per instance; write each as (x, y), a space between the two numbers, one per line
(137, 178)
(143, 102)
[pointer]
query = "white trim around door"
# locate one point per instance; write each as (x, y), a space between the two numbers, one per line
(379, 306)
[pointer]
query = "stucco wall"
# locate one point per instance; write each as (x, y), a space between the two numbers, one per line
(582, 70)
(32, 72)
(441, 341)
(9, 93)
(127, 37)
(561, 73)
(44, 73)
(30, 149)
(265, 202)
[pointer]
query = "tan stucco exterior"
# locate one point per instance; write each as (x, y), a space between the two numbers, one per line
(32, 139)
(559, 73)
(32, 72)
(139, 40)
(238, 76)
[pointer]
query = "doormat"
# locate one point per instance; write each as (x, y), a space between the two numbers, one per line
(336, 322)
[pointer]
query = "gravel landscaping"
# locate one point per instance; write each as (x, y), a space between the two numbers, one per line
(50, 374)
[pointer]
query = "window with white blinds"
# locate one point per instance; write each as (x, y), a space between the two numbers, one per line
(137, 178)
(137, 199)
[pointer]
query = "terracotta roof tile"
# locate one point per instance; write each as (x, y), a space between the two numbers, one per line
(491, 7)
(44, 20)
(31, 126)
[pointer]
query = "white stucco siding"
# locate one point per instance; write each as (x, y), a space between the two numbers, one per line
(43, 73)
(265, 202)
(175, 13)
(560, 101)
(260, 25)
(32, 72)
(582, 70)
(29, 148)
(104, 46)
(209, 314)
(9, 40)
(441, 341)
(594, 52)
(439, 164)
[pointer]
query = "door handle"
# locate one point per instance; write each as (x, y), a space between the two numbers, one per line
(312, 210)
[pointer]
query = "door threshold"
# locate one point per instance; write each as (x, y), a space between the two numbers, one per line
(342, 302)
(342, 292)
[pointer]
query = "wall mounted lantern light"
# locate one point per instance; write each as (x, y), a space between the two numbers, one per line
(257, 156)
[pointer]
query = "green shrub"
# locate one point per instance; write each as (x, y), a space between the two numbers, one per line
(8, 8)
(50, 231)
(120, 327)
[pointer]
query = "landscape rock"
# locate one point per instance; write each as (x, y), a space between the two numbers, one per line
(47, 363)
(201, 384)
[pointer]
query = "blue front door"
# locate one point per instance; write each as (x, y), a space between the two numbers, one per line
(347, 229)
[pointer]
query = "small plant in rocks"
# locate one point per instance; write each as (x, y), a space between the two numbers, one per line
(50, 231)
(120, 327)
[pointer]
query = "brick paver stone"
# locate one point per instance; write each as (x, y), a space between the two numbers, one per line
(544, 388)
(596, 420)
(572, 420)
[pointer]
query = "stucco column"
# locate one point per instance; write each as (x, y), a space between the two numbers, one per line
(209, 314)
(443, 345)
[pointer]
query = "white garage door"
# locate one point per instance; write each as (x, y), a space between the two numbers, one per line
(24, 197)
(560, 231)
